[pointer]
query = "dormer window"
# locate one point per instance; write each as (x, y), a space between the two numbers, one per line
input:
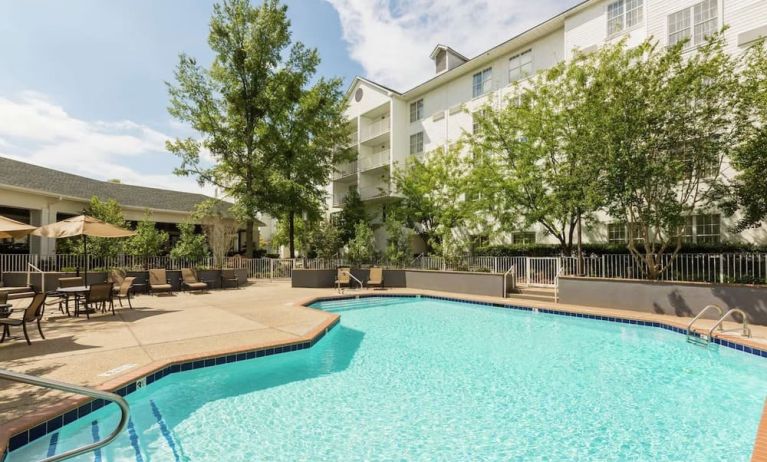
(441, 61)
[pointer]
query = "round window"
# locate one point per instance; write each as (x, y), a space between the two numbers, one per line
(358, 95)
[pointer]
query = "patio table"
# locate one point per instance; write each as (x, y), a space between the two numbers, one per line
(78, 292)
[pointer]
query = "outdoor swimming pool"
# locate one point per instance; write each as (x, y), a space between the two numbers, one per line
(427, 379)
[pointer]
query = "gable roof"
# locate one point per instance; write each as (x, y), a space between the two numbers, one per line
(55, 183)
(541, 29)
(369, 82)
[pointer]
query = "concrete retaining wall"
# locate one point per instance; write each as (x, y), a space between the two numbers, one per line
(672, 298)
(19, 279)
(326, 278)
(447, 281)
(456, 281)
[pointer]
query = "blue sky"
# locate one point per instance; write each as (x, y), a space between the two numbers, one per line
(82, 81)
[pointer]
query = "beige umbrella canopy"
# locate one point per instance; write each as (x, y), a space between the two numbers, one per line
(84, 226)
(12, 228)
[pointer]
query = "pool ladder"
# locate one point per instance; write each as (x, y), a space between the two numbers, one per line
(705, 339)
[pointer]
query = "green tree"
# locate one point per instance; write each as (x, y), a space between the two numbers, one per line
(219, 226)
(148, 240)
(534, 159)
(670, 118)
(231, 103)
(352, 212)
(362, 249)
(190, 245)
(304, 137)
(324, 240)
(748, 188)
(432, 195)
(108, 211)
(301, 230)
(398, 249)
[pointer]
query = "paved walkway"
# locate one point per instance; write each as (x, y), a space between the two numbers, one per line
(96, 351)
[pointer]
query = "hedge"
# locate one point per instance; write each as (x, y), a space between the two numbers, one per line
(552, 250)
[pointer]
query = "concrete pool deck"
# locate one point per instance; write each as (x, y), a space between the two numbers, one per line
(107, 350)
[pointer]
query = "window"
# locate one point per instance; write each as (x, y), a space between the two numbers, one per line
(523, 237)
(616, 233)
(481, 82)
(416, 143)
(687, 230)
(521, 66)
(696, 23)
(623, 14)
(707, 229)
(416, 111)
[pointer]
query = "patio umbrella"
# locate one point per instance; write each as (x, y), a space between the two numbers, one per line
(12, 228)
(84, 226)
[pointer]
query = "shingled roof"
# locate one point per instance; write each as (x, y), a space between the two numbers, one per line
(22, 175)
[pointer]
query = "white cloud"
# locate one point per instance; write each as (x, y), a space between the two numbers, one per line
(392, 39)
(36, 130)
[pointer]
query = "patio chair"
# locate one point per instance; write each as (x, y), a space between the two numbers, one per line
(33, 313)
(158, 281)
(117, 276)
(98, 296)
(63, 297)
(229, 276)
(125, 291)
(190, 281)
(343, 278)
(3, 297)
(375, 279)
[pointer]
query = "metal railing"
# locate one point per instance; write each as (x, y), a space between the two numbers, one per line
(344, 170)
(373, 192)
(691, 334)
(746, 329)
(374, 160)
(376, 128)
(66, 387)
(748, 268)
(30, 269)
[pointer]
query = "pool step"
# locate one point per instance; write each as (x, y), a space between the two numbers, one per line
(541, 294)
(15, 293)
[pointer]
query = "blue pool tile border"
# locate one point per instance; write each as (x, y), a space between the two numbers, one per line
(49, 426)
(656, 324)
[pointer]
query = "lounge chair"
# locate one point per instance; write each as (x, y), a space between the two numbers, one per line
(33, 313)
(117, 276)
(375, 279)
(190, 281)
(98, 296)
(230, 276)
(158, 281)
(64, 297)
(125, 291)
(343, 278)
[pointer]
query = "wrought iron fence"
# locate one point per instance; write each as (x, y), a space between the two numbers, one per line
(748, 268)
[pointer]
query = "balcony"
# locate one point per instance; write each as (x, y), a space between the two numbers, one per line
(375, 192)
(345, 170)
(375, 160)
(376, 129)
(338, 198)
(354, 138)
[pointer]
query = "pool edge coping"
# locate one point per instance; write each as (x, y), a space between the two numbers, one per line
(36, 424)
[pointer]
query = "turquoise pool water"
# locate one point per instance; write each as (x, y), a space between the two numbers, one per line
(424, 379)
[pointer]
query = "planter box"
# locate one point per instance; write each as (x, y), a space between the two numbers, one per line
(461, 282)
(685, 299)
(324, 278)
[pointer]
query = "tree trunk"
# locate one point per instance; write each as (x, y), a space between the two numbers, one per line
(248, 238)
(580, 247)
(292, 233)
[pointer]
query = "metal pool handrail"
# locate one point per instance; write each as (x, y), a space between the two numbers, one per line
(62, 386)
(746, 329)
(513, 281)
(702, 312)
(362, 286)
